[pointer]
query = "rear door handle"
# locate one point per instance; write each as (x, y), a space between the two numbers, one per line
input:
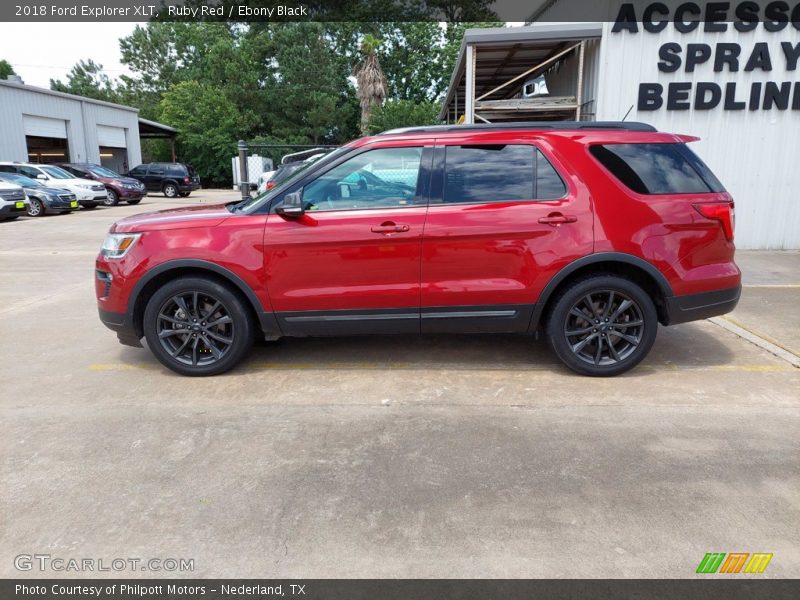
(557, 218)
(389, 227)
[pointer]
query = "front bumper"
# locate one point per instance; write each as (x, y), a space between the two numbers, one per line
(694, 307)
(126, 194)
(10, 209)
(60, 204)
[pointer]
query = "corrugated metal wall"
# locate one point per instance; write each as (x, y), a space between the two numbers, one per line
(82, 119)
(755, 153)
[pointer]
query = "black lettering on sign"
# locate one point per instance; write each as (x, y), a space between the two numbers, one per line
(716, 13)
(796, 99)
(727, 54)
(747, 16)
(795, 18)
(755, 96)
(776, 16)
(650, 96)
(678, 96)
(681, 24)
(792, 53)
(702, 101)
(759, 59)
(696, 54)
(670, 55)
(647, 17)
(777, 96)
(730, 97)
(626, 19)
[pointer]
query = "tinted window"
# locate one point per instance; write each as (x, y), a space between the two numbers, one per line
(500, 173)
(382, 178)
(30, 172)
(651, 168)
(7, 169)
(140, 170)
(176, 170)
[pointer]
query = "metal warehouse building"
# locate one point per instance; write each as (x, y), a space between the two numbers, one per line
(45, 126)
(734, 85)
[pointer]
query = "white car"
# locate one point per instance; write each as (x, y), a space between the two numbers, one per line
(88, 193)
(13, 201)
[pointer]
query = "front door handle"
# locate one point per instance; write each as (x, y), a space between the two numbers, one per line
(557, 218)
(389, 227)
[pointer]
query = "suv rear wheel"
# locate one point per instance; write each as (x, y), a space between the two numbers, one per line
(602, 325)
(197, 326)
(170, 190)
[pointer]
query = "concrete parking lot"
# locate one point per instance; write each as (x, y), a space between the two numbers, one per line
(451, 456)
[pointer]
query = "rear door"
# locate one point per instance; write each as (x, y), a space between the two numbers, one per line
(155, 175)
(504, 216)
(351, 263)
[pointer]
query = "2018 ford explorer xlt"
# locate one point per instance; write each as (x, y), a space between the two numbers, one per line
(591, 232)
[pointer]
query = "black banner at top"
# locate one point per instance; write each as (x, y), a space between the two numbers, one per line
(777, 11)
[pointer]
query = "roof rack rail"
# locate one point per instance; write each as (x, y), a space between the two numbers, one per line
(553, 125)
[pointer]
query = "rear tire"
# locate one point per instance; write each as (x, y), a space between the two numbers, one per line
(170, 190)
(197, 326)
(602, 325)
(185, 194)
(35, 208)
(112, 198)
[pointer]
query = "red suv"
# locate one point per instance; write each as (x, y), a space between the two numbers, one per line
(593, 233)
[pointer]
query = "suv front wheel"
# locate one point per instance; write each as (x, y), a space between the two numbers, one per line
(197, 326)
(602, 325)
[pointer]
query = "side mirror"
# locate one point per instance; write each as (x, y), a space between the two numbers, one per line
(41, 176)
(292, 206)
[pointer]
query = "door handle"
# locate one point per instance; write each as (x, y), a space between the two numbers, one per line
(557, 218)
(389, 227)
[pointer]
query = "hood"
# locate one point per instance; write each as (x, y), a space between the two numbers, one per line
(121, 180)
(178, 218)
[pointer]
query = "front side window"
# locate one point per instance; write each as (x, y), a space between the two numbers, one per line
(140, 170)
(499, 173)
(57, 172)
(652, 168)
(381, 178)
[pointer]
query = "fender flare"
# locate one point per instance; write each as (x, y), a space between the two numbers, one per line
(600, 257)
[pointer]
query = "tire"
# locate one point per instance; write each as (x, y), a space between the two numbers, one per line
(170, 190)
(112, 199)
(179, 307)
(35, 208)
(614, 332)
(185, 194)
(135, 201)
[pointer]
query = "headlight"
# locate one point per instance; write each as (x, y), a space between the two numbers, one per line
(130, 186)
(86, 186)
(116, 245)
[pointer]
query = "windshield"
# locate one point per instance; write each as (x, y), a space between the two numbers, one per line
(103, 172)
(247, 204)
(57, 172)
(20, 180)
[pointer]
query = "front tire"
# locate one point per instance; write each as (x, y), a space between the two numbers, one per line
(112, 198)
(185, 194)
(197, 326)
(35, 208)
(602, 325)
(170, 190)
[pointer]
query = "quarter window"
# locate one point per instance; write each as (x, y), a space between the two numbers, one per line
(655, 168)
(499, 173)
(381, 178)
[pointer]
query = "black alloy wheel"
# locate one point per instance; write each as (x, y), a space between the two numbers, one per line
(197, 326)
(603, 325)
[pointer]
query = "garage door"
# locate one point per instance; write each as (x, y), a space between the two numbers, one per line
(45, 127)
(111, 137)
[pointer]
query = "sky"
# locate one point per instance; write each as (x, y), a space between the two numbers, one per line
(41, 51)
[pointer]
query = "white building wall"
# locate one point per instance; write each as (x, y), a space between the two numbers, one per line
(755, 153)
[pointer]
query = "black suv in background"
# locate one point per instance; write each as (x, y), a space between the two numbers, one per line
(172, 179)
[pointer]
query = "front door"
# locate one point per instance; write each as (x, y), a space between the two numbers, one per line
(500, 220)
(351, 262)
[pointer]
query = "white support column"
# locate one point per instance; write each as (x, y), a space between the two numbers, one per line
(579, 92)
(469, 96)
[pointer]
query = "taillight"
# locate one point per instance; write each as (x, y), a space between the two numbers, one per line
(270, 185)
(187, 180)
(719, 211)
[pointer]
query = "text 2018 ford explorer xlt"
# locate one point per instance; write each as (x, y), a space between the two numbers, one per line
(592, 232)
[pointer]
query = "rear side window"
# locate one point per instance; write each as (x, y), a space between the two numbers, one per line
(657, 168)
(176, 170)
(499, 173)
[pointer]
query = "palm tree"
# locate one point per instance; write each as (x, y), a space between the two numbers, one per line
(370, 80)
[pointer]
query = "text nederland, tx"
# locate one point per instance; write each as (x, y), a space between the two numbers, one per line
(237, 11)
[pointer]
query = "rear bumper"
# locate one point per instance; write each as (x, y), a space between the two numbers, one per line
(682, 309)
(121, 324)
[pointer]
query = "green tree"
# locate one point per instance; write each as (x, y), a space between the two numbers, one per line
(6, 69)
(404, 113)
(208, 125)
(86, 78)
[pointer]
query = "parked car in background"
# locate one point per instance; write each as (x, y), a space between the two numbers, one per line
(263, 180)
(171, 179)
(42, 199)
(592, 233)
(117, 187)
(88, 193)
(13, 201)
